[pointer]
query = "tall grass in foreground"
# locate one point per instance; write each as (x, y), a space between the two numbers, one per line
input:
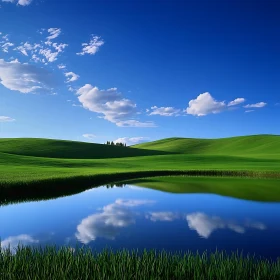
(66, 263)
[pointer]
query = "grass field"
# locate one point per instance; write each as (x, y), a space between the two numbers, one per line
(25, 163)
(66, 263)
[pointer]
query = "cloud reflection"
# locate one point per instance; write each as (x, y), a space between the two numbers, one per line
(162, 216)
(108, 223)
(204, 225)
(14, 241)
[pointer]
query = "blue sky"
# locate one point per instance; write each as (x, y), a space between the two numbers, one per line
(138, 70)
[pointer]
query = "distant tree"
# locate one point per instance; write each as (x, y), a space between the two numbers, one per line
(112, 143)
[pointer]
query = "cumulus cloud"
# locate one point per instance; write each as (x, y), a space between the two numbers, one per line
(164, 111)
(6, 119)
(24, 77)
(92, 47)
(14, 241)
(236, 101)
(131, 140)
(204, 225)
(162, 216)
(109, 222)
(205, 104)
(256, 105)
(71, 77)
(87, 135)
(111, 105)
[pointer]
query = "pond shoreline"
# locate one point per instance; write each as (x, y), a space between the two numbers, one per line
(57, 187)
(71, 263)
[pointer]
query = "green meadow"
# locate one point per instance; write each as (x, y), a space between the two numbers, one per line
(37, 166)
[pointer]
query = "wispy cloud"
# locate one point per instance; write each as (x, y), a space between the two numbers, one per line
(5, 47)
(53, 33)
(19, 2)
(92, 47)
(6, 119)
(249, 111)
(236, 101)
(61, 66)
(25, 78)
(131, 140)
(164, 111)
(71, 77)
(256, 105)
(89, 136)
(110, 103)
(162, 216)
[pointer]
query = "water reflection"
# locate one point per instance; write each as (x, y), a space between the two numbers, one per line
(109, 222)
(13, 241)
(129, 218)
(162, 216)
(204, 225)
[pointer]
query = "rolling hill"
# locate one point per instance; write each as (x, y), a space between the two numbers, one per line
(249, 146)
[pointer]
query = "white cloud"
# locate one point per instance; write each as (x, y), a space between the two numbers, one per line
(88, 136)
(164, 111)
(6, 119)
(24, 78)
(162, 216)
(19, 2)
(71, 77)
(109, 222)
(131, 140)
(249, 111)
(5, 47)
(205, 104)
(26, 47)
(204, 225)
(14, 241)
(111, 105)
(61, 66)
(24, 2)
(92, 47)
(54, 33)
(256, 105)
(49, 54)
(134, 123)
(59, 47)
(236, 101)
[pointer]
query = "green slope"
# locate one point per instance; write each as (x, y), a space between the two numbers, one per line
(267, 146)
(68, 149)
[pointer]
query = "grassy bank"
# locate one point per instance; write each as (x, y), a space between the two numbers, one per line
(42, 166)
(66, 263)
(255, 189)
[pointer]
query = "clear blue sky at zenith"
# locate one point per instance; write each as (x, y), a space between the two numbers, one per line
(139, 71)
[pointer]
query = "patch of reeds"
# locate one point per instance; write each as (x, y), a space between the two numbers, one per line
(53, 263)
(57, 187)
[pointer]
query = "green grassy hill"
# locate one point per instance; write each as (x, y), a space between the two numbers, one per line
(62, 164)
(267, 146)
(68, 149)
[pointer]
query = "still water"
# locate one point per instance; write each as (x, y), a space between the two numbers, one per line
(134, 217)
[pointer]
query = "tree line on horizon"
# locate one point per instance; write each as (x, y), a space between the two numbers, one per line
(115, 144)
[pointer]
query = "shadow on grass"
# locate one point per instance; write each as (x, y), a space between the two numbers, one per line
(58, 187)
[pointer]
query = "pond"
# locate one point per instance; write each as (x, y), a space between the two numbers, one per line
(136, 215)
